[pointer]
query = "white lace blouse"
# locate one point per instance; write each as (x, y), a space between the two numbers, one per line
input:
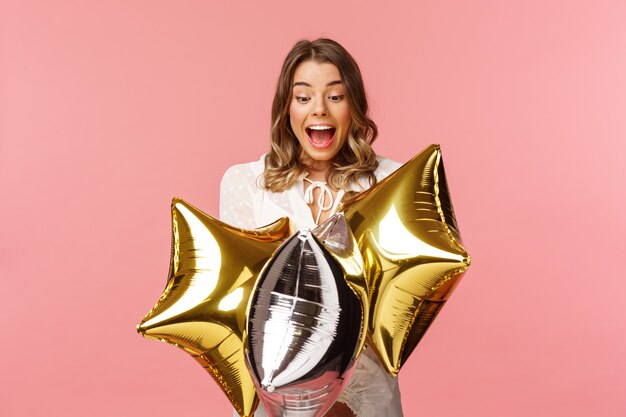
(371, 391)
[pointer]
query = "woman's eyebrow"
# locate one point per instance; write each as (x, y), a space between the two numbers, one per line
(309, 85)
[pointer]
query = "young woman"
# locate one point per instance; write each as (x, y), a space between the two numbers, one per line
(320, 152)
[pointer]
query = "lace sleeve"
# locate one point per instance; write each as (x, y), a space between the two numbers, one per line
(239, 197)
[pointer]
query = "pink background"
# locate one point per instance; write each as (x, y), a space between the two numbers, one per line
(109, 109)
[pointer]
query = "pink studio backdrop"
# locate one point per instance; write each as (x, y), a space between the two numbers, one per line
(109, 109)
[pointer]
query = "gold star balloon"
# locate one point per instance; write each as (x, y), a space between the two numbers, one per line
(412, 252)
(213, 270)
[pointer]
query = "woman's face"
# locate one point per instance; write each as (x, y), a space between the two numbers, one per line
(319, 111)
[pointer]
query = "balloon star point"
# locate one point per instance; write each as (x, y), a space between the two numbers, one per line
(202, 310)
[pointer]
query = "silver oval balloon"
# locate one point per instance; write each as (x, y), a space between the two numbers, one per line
(304, 330)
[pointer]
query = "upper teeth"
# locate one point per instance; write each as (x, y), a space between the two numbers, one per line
(320, 127)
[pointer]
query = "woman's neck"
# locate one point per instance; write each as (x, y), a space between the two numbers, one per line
(318, 170)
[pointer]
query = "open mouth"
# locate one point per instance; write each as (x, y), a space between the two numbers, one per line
(321, 136)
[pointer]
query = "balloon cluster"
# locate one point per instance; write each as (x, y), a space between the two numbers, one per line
(283, 315)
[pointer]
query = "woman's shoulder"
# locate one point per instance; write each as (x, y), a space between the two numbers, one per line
(385, 167)
(247, 172)
(255, 167)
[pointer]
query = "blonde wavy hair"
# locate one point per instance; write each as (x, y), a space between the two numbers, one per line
(286, 160)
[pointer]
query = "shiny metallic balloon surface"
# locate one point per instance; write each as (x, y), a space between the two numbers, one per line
(304, 330)
(213, 270)
(412, 250)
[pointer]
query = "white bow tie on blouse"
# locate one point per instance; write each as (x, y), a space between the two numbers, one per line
(321, 199)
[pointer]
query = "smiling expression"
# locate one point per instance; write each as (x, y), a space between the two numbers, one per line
(319, 112)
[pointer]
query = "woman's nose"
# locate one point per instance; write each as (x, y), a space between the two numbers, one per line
(320, 108)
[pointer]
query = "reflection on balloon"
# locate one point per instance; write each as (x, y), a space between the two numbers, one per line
(412, 251)
(213, 269)
(305, 325)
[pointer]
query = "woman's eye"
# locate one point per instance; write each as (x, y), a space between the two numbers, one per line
(302, 99)
(336, 98)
